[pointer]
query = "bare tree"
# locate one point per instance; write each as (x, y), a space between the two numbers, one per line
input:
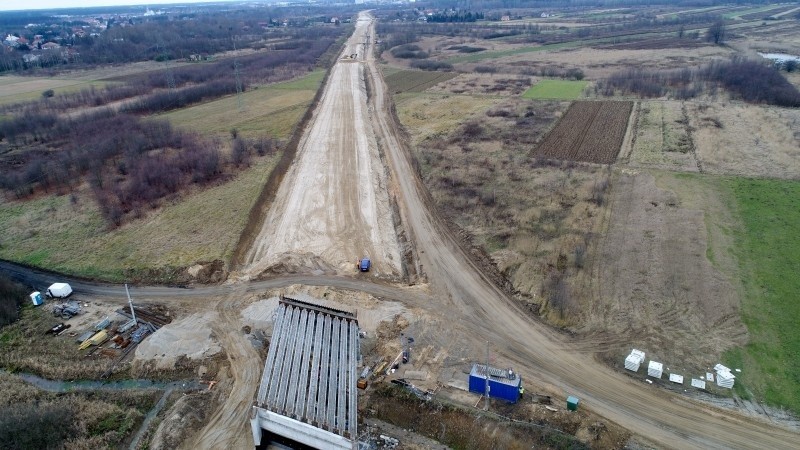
(716, 32)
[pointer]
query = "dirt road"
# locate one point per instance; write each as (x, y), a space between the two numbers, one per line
(333, 205)
(464, 291)
(462, 295)
(229, 426)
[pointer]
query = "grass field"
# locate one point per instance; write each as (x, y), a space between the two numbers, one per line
(432, 114)
(556, 89)
(272, 110)
(72, 238)
(16, 89)
(767, 248)
(476, 57)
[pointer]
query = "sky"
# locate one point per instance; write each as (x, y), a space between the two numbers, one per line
(12, 5)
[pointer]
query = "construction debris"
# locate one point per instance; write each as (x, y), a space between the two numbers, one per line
(67, 310)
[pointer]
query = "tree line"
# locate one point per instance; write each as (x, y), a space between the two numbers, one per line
(130, 163)
(749, 80)
(194, 83)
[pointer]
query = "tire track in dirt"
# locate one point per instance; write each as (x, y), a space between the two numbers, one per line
(229, 427)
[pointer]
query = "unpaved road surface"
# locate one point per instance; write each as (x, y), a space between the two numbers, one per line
(462, 296)
(333, 206)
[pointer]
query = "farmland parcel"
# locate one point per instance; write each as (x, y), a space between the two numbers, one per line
(588, 131)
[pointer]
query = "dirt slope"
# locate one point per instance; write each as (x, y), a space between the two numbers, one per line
(333, 206)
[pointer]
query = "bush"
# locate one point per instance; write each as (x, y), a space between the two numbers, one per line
(48, 93)
(432, 65)
(409, 51)
(36, 426)
(12, 295)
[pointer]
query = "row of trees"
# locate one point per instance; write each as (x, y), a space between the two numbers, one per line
(127, 171)
(165, 37)
(193, 83)
(749, 80)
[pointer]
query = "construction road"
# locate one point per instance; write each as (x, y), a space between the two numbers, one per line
(459, 292)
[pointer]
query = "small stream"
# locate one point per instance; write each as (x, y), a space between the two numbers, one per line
(92, 385)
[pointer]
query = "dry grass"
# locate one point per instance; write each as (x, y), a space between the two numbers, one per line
(72, 237)
(528, 214)
(93, 419)
(665, 275)
(750, 140)
(426, 115)
(661, 137)
(15, 89)
(68, 233)
(600, 63)
(496, 84)
(459, 427)
(24, 347)
(273, 110)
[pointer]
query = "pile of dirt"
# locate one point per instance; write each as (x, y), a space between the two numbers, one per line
(260, 315)
(208, 272)
(190, 337)
(388, 334)
(291, 263)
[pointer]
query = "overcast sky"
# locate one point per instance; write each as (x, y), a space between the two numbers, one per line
(12, 5)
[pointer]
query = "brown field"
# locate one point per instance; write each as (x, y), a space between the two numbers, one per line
(415, 80)
(656, 287)
(749, 140)
(589, 132)
(473, 83)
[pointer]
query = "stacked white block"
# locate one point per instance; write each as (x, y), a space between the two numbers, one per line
(725, 378)
(633, 360)
(675, 378)
(655, 369)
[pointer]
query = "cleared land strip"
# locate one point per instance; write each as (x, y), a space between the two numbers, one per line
(332, 207)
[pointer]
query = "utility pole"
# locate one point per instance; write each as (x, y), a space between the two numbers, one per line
(133, 313)
(238, 77)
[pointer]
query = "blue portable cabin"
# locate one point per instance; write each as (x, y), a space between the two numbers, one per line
(36, 298)
(503, 384)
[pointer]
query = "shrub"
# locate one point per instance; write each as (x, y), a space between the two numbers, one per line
(432, 65)
(36, 426)
(12, 295)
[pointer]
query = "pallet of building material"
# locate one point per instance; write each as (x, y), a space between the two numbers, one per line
(699, 384)
(675, 378)
(655, 369)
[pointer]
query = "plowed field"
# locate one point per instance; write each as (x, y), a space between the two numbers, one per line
(588, 131)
